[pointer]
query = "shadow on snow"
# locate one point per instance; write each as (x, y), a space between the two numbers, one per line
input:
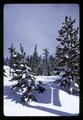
(41, 98)
(11, 94)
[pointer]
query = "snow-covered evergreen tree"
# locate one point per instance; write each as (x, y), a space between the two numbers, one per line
(11, 51)
(67, 55)
(25, 81)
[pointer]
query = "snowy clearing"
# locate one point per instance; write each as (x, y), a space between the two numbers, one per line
(53, 102)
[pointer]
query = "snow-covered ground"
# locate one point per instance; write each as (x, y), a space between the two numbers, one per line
(53, 102)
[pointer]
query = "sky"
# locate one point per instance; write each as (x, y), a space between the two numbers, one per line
(31, 24)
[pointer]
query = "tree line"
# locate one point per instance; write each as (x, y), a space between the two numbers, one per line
(40, 65)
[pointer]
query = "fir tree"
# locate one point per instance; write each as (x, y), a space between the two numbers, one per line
(52, 65)
(40, 66)
(25, 81)
(11, 51)
(67, 54)
(46, 67)
(6, 61)
(35, 61)
(28, 61)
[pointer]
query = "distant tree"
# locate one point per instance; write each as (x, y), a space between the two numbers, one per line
(67, 55)
(35, 61)
(40, 66)
(28, 61)
(52, 64)
(6, 61)
(46, 67)
(11, 51)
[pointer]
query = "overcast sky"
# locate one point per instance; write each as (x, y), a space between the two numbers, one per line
(32, 24)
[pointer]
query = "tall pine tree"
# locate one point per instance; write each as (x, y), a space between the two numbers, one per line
(68, 55)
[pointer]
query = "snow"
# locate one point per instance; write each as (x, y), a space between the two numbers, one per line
(24, 75)
(20, 110)
(14, 64)
(46, 79)
(22, 65)
(76, 85)
(53, 102)
(71, 90)
(66, 56)
(14, 55)
(51, 95)
(28, 68)
(18, 70)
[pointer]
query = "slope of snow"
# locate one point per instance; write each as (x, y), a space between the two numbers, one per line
(13, 109)
(47, 79)
(53, 102)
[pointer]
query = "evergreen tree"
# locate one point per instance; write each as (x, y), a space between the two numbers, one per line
(25, 81)
(11, 51)
(67, 55)
(52, 65)
(40, 66)
(28, 61)
(35, 61)
(6, 61)
(46, 67)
